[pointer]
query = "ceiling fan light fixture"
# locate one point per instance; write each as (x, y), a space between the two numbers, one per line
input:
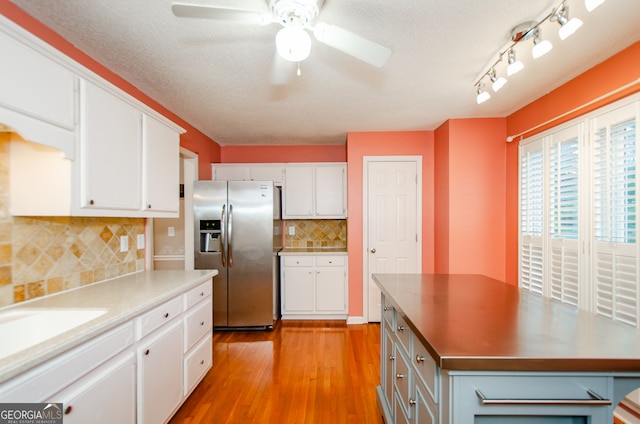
(293, 44)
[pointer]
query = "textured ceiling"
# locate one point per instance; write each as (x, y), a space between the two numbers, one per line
(216, 75)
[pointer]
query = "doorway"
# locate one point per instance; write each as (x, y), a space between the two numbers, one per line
(392, 222)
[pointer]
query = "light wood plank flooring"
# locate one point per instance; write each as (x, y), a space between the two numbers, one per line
(301, 372)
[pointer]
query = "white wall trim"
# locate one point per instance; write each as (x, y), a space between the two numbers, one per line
(365, 213)
(356, 320)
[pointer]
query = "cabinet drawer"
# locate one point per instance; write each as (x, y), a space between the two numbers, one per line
(404, 333)
(196, 364)
(533, 394)
(403, 380)
(196, 294)
(425, 367)
(298, 260)
(158, 316)
(197, 323)
(329, 260)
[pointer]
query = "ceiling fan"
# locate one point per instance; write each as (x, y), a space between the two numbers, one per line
(296, 18)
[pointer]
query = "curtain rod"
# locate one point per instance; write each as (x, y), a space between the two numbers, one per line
(574, 110)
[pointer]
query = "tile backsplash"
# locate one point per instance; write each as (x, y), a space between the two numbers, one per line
(316, 233)
(45, 255)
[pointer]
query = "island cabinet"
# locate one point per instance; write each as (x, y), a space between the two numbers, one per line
(542, 362)
(314, 287)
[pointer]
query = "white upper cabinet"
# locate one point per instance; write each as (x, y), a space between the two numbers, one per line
(111, 149)
(247, 172)
(315, 191)
(161, 150)
(119, 157)
(37, 94)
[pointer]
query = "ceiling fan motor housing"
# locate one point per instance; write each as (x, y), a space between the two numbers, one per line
(298, 13)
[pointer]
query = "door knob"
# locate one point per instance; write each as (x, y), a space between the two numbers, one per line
(373, 250)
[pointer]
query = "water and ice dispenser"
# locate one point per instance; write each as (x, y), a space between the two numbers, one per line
(210, 235)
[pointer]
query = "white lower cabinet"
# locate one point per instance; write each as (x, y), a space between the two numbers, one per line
(112, 385)
(314, 287)
(139, 372)
(160, 375)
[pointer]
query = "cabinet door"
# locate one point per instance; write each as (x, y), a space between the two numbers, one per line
(297, 289)
(110, 152)
(267, 173)
(231, 172)
(330, 191)
(161, 180)
(298, 192)
(34, 85)
(160, 375)
(425, 410)
(105, 396)
(330, 289)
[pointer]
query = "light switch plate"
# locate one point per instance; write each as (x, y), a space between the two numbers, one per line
(172, 231)
(292, 231)
(140, 241)
(124, 243)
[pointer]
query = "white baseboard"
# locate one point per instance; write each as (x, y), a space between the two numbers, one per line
(356, 320)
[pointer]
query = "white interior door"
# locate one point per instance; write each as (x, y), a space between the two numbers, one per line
(392, 222)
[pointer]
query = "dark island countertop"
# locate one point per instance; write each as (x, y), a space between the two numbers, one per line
(473, 322)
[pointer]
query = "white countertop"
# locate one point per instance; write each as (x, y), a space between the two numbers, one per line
(301, 251)
(123, 298)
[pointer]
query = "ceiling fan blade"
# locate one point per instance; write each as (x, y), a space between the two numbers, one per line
(201, 11)
(352, 44)
(282, 70)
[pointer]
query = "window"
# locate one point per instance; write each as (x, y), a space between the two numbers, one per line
(578, 213)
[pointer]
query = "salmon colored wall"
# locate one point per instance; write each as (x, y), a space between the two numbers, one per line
(278, 154)
(441, 199)
(193, 140)
(413, 143)
(472, 192)
(621, 71)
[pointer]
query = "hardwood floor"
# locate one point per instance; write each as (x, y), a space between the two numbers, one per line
(301, 372)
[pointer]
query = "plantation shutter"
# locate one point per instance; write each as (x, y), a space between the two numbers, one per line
(615, 159)
(564, 264)
(531, 216)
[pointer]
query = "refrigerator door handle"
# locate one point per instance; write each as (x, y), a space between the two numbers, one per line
(223, 235)
(230, 236)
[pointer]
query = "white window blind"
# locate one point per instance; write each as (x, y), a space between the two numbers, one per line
(563, 177)
(578, 213)
(615, 160)
(531, 216)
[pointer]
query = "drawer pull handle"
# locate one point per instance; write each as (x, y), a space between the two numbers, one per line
(68, 410)
(412, 402)
(399, 375)
(419, 358)
(166, 314)
(595, 400)
(392, 358)
(201, 322)
(147, 352)
(387, 308)
(401, 328)
(202, 362)
(201, 294)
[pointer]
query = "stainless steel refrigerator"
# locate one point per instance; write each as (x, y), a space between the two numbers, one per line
(234, 233)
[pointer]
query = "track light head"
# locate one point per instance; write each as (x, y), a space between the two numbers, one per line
(591, 5)
(496, 83)
(482, 95)
(541, 47)
(567, 26)
(515, 65)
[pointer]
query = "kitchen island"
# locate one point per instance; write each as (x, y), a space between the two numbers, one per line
(466, 349)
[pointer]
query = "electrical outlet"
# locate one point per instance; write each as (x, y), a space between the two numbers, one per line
(124, 243)
(172, 231)
(292, 231)
(140, 241)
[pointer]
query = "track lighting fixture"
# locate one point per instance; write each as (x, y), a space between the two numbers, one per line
(496, 83)
(541, 47)
(483, 95)
(515, 65)
(524, 31)
(592, 4)
(567, 26)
